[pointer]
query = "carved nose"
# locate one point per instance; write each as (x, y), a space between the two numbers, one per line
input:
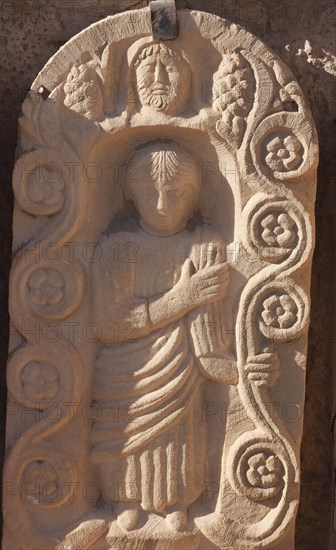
(159, 73)
(162, 203)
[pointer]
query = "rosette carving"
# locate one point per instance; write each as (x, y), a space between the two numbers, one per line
(258, 125)
(46, 287)
(279, 230)
(48, 481)
(41, 374)
(40, 381)
(283, 148)
(40, 179)
(279, 311)
(275, 229)
(263, 470)
(256, 467)
(51, 291)
(283, 311)
(284, 153)
(41, 482)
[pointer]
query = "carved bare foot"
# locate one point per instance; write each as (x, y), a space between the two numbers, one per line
(128, 514)
(178, 519)
(87, 531)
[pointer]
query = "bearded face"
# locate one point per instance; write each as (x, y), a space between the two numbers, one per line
(163, 83)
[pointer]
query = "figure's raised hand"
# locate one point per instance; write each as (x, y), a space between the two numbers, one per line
(204, 286)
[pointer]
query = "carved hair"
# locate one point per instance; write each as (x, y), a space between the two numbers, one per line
(154, 49)
(174, 100)
(164, 158)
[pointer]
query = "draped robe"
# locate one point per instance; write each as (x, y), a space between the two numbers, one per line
(149, 443)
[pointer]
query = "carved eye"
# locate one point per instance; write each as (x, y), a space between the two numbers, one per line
(171, 69)
(150, 68)
(148, 195)
(174, 193)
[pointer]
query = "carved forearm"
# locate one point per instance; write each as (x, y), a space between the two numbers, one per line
(159, 312)
(137, 320)
(165, 309)
(131, 321)
(219, 369)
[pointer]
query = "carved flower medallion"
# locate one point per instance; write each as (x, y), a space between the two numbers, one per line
(264, 471)
(255, 467)
(283, 310)
(279, 311)
(40, 381)
(40, 180)
(46, 186)
(52, 290)
(279, 230)
(40, 482)
(283, 150)
(273, 229)
(46, 287)
(41, 374)
(284, 153)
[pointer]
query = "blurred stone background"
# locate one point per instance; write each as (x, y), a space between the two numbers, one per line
(303, 34)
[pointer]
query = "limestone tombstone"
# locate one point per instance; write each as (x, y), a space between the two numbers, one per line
(159, 298)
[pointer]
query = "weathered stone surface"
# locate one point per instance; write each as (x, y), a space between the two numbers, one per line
(164, 229)
(322, 365)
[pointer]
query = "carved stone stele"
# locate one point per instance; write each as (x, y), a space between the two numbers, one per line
(159, 294)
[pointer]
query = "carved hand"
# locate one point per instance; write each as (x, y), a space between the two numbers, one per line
(204, 286)
(263, 369)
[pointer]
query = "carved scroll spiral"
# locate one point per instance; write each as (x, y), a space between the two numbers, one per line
(266, 125)
(42, 381)
(278, 150)
(44, 286)
(263, 463)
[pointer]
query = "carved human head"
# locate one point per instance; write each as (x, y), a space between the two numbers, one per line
(163, 180)
(163, 78)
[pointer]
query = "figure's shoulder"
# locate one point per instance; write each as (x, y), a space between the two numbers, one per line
(206, 242)
(118, 247)
(124, 234)
(207, 234)
(117, 239)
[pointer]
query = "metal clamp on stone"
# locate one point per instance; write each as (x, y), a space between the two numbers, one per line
(164, 19)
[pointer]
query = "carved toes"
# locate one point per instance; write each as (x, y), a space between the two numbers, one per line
(178, 520)
(128, 515)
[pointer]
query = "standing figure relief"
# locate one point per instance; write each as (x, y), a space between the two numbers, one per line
(156, 315)
(159, 293)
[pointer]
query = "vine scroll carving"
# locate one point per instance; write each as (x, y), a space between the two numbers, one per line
(159, 292)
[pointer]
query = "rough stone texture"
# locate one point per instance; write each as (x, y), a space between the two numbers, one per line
(303, 35)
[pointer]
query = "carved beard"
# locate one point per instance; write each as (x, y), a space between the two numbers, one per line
(165, 101)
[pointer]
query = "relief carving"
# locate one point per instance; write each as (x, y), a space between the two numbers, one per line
(233, 95)
(162, 76)
(159, 293)
(155, 453)
(83, 92)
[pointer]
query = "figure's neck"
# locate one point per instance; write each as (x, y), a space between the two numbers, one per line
(151, 231)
